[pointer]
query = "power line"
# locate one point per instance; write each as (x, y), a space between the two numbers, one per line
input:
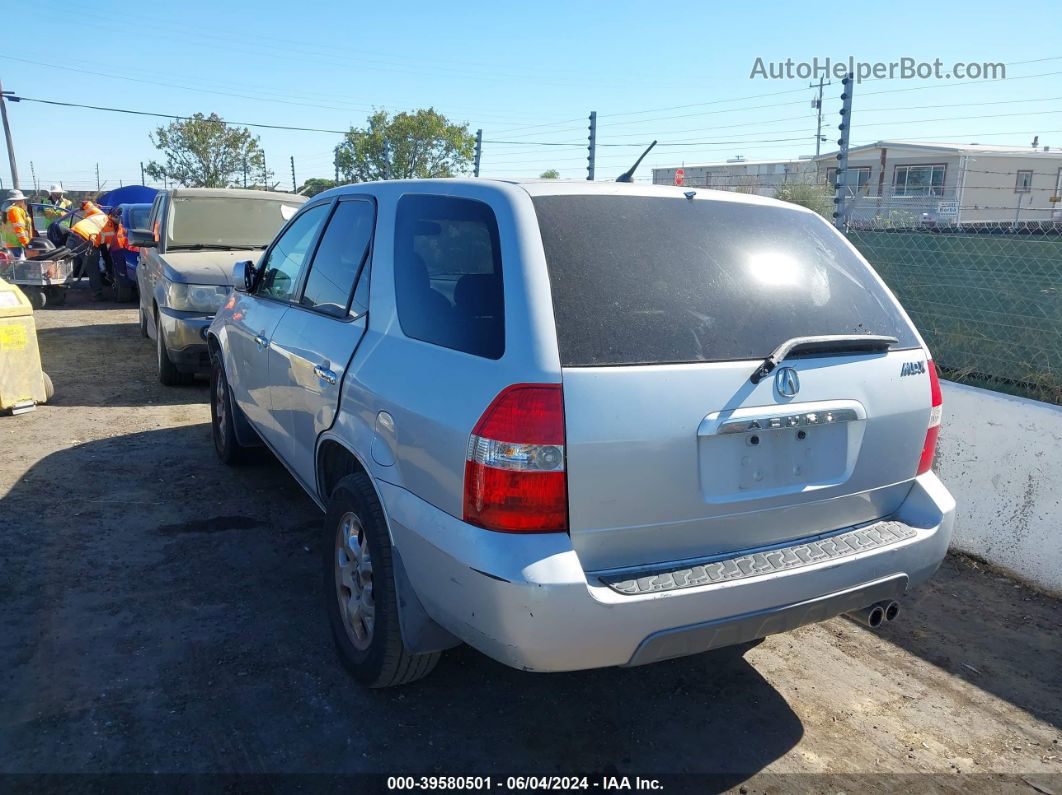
(171, 116)
(956, 84)
(791, 91)
(960, 104)
(272, 98)
(642, 146)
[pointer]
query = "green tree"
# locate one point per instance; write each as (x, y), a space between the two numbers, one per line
(549, 173)
(419, 144)
(205, 152)
(810, 194)
(315, 185)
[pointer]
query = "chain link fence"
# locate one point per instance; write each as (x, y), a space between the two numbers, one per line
(986, 296)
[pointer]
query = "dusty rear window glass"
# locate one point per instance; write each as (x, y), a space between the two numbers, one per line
(646, 280)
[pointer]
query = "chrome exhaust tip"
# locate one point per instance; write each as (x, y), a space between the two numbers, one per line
(892, 610)
(872, 616)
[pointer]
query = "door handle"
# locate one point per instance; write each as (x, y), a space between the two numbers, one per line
(325, 374)
(261, 342)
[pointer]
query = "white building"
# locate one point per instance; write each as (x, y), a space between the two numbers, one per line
(942, 182)
(761, 177)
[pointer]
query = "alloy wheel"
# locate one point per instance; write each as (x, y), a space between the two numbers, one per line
(353, 578)
(220, 407)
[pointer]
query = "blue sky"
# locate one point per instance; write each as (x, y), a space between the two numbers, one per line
(523, 72)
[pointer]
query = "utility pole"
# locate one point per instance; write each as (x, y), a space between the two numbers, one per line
(294, 187)
(817, 104)
(97, 177)
(335, 162)
(387, 159)
(841, 180)
(593, 145)
(33, 176)
(479, 152)
(142, 173)
(7, 135)
(245, 171)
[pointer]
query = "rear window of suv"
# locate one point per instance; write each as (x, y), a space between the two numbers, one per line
(649, 280)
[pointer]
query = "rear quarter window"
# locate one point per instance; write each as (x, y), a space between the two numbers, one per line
(652, 280)
(138, 217)
(448, 274)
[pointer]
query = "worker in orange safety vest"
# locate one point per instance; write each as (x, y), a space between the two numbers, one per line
(96, 229)
(17, 227)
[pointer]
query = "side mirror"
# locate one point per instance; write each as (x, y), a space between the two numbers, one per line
(142, 238)
(243, 276)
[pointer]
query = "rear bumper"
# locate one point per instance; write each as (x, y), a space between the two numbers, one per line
(526, 601)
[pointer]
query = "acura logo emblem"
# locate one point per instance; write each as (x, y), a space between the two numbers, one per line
(786, 382)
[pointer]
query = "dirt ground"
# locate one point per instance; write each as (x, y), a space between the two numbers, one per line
(161, 613)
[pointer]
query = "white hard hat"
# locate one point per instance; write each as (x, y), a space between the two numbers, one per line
(16, 195)
(56, 189)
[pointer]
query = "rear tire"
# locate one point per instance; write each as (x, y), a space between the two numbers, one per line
(169, 375)
(56, 296)
(360, 594)
(222, 419)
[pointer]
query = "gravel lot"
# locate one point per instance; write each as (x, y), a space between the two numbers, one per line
(162, 613)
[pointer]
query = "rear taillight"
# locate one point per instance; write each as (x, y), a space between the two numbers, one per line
(929, 449)
(515, 479)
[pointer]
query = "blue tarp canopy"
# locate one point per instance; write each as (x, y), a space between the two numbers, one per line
(130, 194)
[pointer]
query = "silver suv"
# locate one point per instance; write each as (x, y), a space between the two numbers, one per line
(585, 424)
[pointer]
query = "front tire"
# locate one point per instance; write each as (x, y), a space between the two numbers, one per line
(360, 592)
(169, 375)
(222, 421)
(122, 290)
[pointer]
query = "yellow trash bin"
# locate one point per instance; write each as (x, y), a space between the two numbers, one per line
(22, 382)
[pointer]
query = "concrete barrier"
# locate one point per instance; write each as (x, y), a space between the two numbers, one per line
(1001, 457)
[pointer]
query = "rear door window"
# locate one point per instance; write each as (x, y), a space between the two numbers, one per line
(649, 280)
(448, 275)
(340, 258)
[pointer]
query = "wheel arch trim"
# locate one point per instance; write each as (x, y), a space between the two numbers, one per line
(420, 632)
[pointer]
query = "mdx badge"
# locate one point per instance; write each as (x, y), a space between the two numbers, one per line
(786, 382)
(912, 368)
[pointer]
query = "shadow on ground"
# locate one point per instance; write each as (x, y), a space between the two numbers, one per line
(984, 627)
(172, 621)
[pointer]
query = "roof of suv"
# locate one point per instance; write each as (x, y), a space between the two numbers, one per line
(560, 187)
(234, 193)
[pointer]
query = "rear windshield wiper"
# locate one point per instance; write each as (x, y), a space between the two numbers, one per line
(829, 343)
